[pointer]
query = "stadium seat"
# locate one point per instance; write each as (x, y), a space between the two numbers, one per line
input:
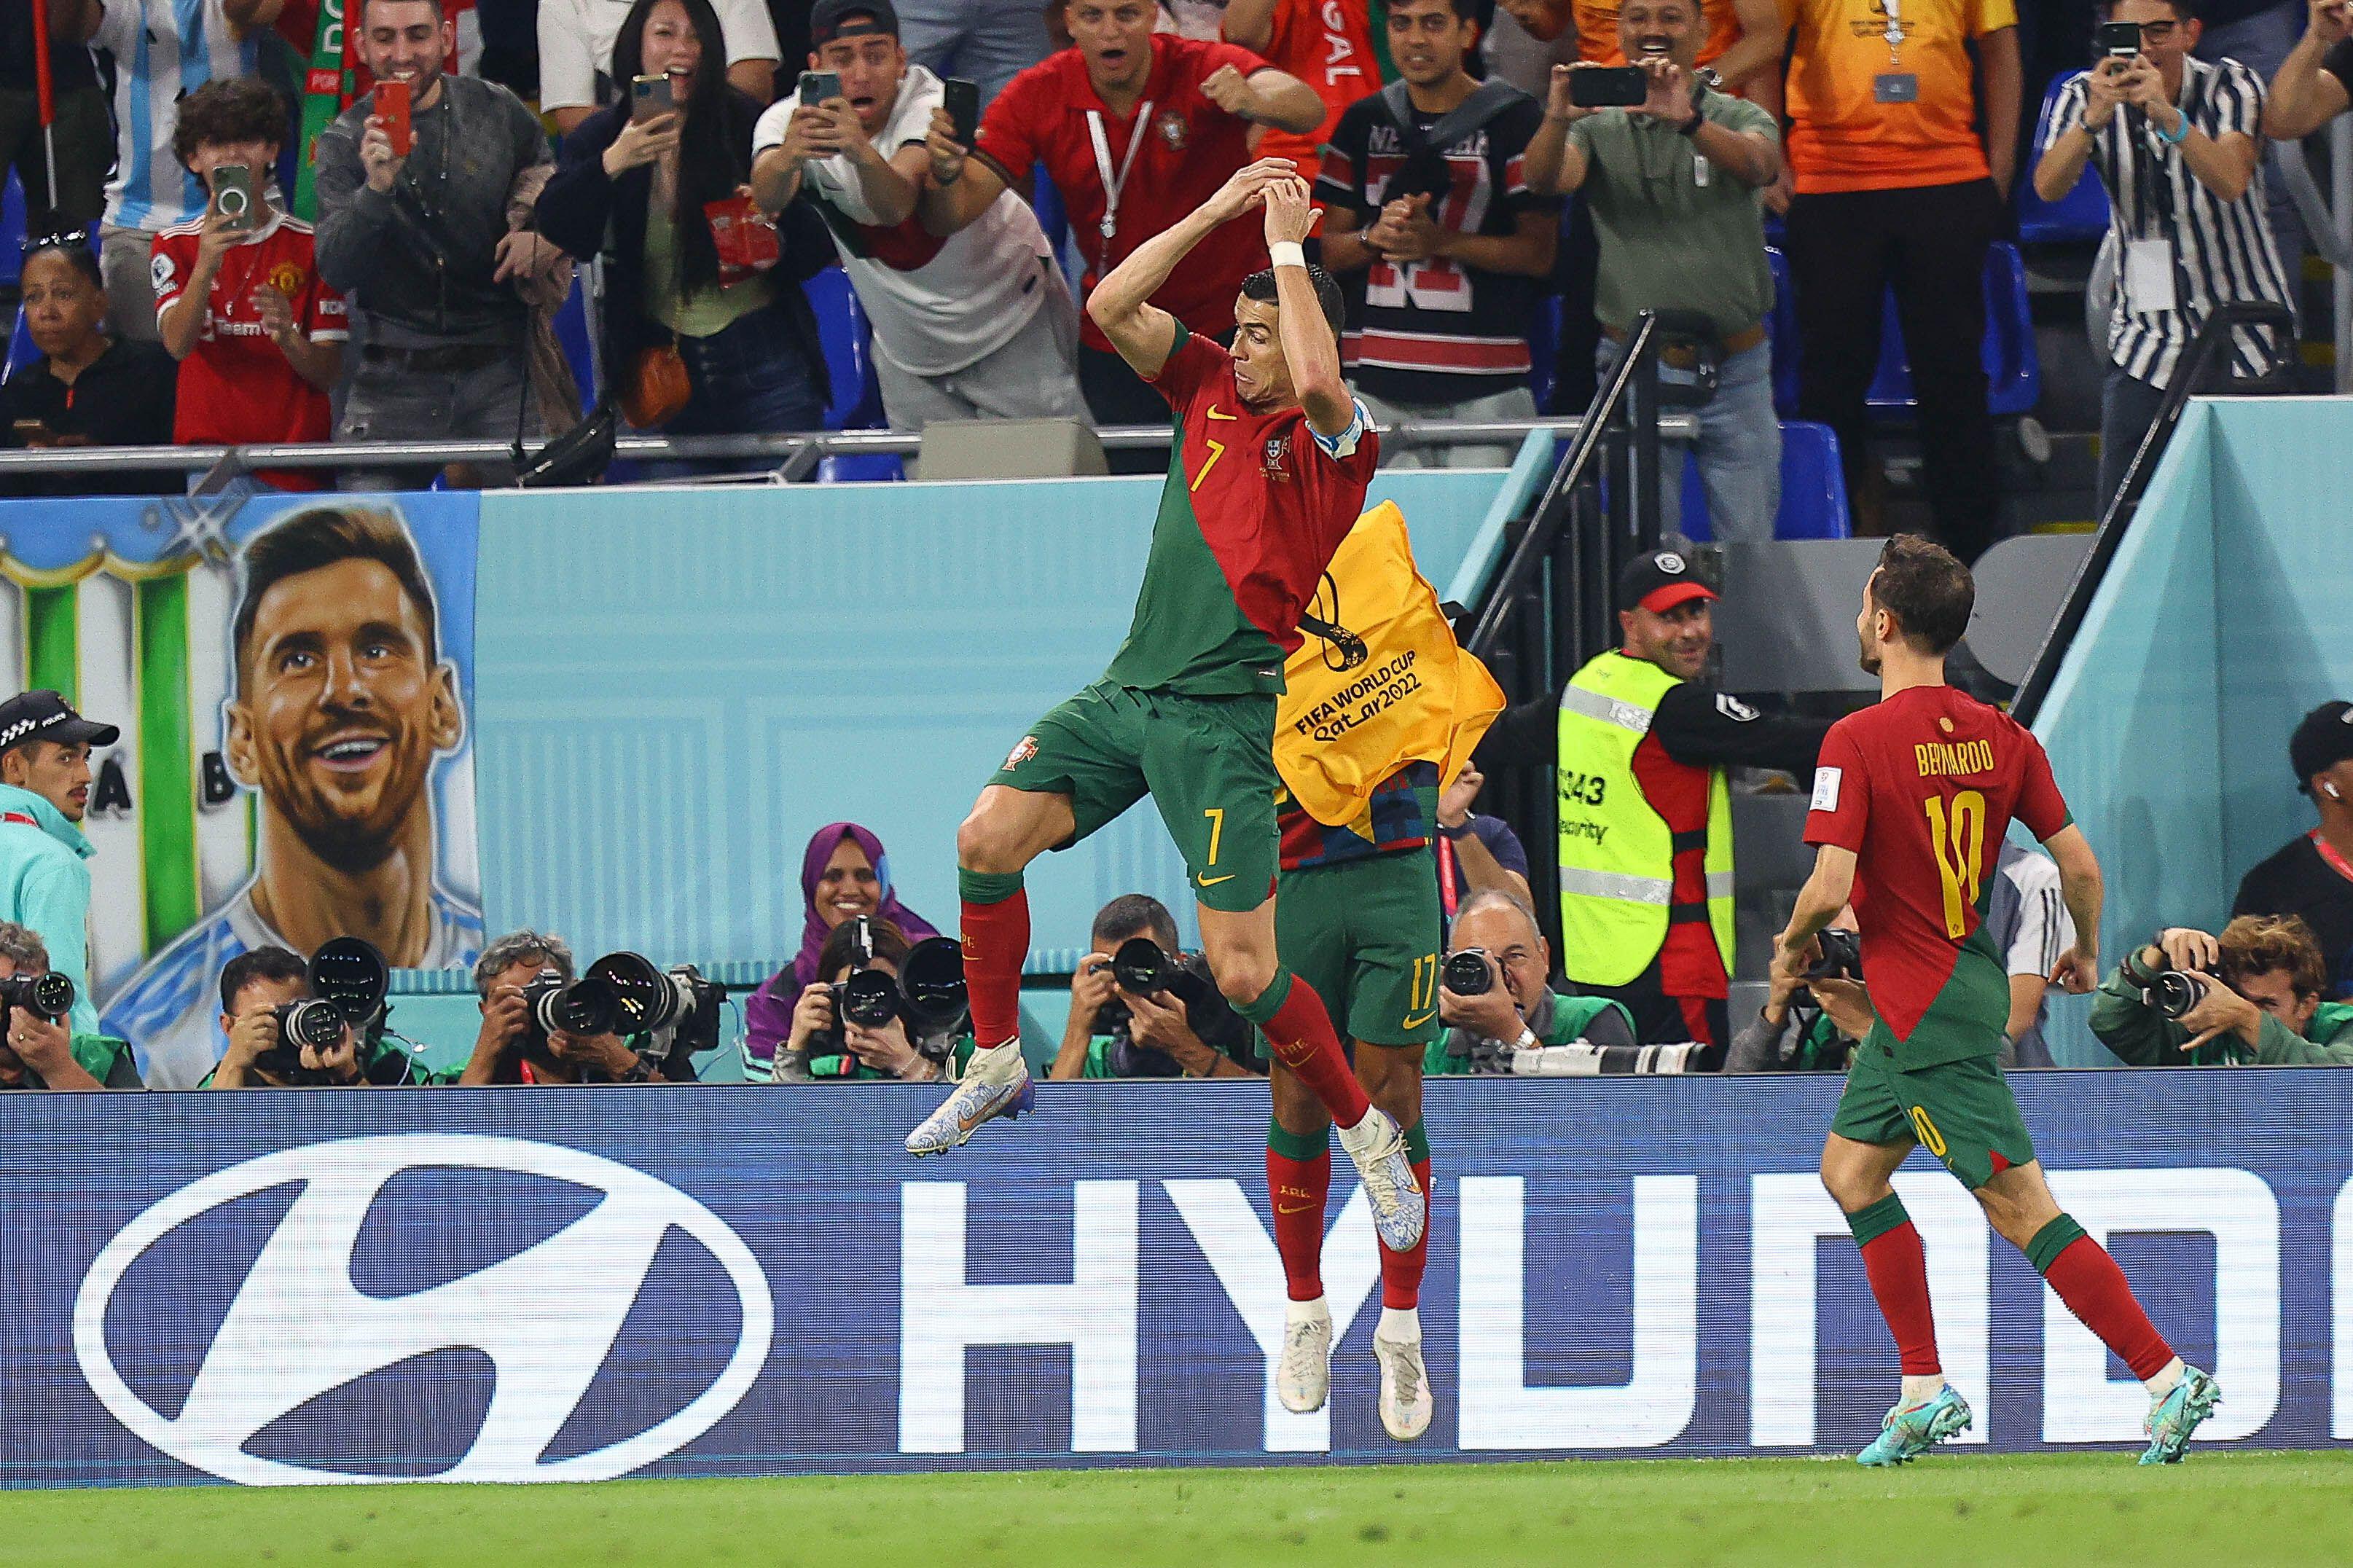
(862, 468)
(1544, 351)
(12, 231)
(21, 351)
(572, 332)
(2081, 215)
(2013, 370)
(1813, 488)
(842, 328)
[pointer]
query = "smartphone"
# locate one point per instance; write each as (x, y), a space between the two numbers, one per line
(650, 96)
(963, 104)
(32, 433)
(1609, 87)
(392, 108)
(233, 197)
(2118, 40)
(818, 85)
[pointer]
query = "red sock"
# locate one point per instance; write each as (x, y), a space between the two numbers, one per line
(1401, 1271)
(1300, 1189)
(1899, 1267)
(996, 945)
(1300, 1033)
(2093, 1288)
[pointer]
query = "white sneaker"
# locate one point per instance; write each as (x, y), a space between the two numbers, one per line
(1405, 1388)
(1378, 1150)
(996, 1083)
(1302, 1378)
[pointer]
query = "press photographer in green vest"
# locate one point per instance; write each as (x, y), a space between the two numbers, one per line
(2251, 994)
(1639, 749)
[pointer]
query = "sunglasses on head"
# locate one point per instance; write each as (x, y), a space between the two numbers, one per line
(33, 242)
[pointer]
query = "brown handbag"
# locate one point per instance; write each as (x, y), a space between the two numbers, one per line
(658, 389)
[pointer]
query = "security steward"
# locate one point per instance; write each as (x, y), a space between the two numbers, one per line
(1639, 749)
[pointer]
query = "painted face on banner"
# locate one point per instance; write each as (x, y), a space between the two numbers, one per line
(341, 708)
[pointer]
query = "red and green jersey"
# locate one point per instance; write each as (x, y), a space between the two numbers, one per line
(1923, 787)
(1254, 506)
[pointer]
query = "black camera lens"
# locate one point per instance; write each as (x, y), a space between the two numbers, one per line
(50, 995)
(586, 1007)
(349, 972)
(645, 998)
(1466, 973)
(2176, 993)
(1142, 967)
(931, 981)
(869, 998)
(315, 1023)
(1842, 957)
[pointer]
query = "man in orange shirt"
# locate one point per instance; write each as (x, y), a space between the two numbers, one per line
(1330, 45)
(1894, 185)
(1744, 37)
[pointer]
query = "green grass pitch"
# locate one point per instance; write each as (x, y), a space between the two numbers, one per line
(1962, 1509)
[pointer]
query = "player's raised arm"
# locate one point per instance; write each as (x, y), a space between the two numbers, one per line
(2080, 886)
(1308, 346)
(1142, 332)
(1825, 894)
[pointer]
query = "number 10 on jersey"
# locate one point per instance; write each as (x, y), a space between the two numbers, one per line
(1956, 837)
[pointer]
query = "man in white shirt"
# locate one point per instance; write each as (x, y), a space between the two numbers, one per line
(575, 54)
(979, 324)
(2029, 921)
(163, 50)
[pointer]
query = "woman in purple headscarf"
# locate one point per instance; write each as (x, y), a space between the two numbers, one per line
(843, 873)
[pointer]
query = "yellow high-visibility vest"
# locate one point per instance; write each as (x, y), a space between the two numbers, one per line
(1617, 853)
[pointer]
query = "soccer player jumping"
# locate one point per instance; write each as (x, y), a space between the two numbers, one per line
(1911, 800)
(1267, 477)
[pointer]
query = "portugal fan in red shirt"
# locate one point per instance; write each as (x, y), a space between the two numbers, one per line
(1135, 128)
(239, 299)
(1911, 800)
(1268, 477)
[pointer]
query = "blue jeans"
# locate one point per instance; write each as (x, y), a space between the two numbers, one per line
(985, 41)
(752, 377)
(1739, 450)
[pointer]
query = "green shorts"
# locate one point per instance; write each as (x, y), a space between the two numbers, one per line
(1365, 934)
(1208, 763)
(1962, 1113)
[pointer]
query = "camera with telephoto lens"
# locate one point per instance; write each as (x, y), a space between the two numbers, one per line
(551, 1004)
(50, 996)
(1466, 973)
(1842, 956)
(674, 1011)
(1144, 968)
(928, 994)
(2174, 994)
(348, 981)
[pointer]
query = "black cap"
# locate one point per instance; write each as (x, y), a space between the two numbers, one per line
(831, 19)
(1660, 581)
(2323, 740)
(44, 716)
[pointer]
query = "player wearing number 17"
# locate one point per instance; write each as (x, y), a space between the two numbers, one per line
(1266, 478)
(1911, 800)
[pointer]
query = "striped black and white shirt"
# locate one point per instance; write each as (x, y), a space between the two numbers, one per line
(2222, 251)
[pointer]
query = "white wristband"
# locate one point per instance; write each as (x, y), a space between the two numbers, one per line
(1287, 253)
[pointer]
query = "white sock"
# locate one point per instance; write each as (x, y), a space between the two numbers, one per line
(1399, 1324)
(1298, 1313)
(2163, 1383)
(1919, 1388)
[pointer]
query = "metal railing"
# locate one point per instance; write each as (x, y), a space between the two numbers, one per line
(777, 459)
(2209, 353)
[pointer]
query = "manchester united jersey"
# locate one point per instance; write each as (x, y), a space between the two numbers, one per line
(1254, 505)
(236, 386)
(1922, 787)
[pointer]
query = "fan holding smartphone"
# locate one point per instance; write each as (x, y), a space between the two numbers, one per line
(973, 325)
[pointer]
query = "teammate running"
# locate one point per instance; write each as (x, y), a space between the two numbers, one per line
(1911, 800)
(1266, 478)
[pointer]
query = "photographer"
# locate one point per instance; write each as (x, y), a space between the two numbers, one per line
(2178, 144)
(826, 1045)
(46, 1053)
(1810, 1026)
(1517, 1013)
(256, 988)
(1675, 185)
(1114, 1032)
(512, 1049)
(2257, 987)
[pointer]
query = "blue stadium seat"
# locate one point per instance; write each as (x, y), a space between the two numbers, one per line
(862, 468)
(2081, 215)
(842, 327)
(1544, 351)
(11, 230)
(21, 351)
(2013, 369)
(1813, 488)
(572, 332)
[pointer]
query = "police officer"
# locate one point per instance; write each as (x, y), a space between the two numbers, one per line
(1639, 750)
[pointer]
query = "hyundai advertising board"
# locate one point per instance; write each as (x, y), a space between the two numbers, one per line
(291, 1286)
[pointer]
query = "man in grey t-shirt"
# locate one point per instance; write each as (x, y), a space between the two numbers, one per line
(424, 246)
(1675, 185)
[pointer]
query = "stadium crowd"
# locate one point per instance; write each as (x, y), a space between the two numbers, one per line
(322, 263)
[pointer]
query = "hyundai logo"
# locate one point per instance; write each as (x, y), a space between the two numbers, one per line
(546, 1317)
